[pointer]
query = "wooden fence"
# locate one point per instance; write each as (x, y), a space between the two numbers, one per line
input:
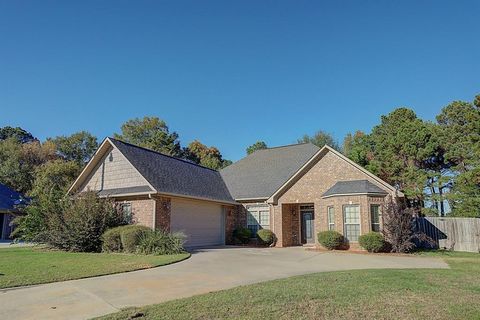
(457, 234)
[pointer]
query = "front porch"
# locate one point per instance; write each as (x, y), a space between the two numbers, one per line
(295, 224)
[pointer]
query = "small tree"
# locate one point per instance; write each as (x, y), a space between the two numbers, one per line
(399, 228)
(82, 222)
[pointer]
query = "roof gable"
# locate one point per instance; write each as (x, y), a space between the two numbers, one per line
(175, 176)
(163, 174)
(263, 172)
(316, 158)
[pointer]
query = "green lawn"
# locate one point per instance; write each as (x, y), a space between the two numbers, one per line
(365, 294)
(26, 266)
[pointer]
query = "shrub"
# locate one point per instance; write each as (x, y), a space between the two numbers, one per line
(242, 235)
(399, 228)
(266, 237)
(112, 241)
(330, 239)
(130, 237)
(161, 242)
(372, 242)
(79, 223)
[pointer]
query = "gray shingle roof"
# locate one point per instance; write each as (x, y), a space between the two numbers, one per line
(10, 199)
(263, 172)
(353, 187)
(175, 176)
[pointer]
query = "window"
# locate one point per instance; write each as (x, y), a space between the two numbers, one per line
(331, 218)
(375, 216)
(258, 218)
(127, 212)
(351, 220)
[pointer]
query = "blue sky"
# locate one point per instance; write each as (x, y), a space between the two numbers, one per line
(230, 73)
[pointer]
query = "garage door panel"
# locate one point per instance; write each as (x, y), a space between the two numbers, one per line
(202, 222)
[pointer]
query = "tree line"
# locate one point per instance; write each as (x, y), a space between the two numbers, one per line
(435, 163)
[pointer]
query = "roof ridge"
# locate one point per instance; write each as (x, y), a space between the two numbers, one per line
(162, 154)
(287, 145)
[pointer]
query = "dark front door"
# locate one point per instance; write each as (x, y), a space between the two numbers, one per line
(307, 226)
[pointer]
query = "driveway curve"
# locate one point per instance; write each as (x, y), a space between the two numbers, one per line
(206, 271)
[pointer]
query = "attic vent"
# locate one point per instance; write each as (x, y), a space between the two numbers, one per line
(110, 157)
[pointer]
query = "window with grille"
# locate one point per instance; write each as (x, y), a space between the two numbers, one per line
(351, 221)
(375, 216)
(127, 212)
(331, 218)
(258, 219)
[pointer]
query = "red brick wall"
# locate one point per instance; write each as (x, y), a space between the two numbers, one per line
(143, 210)
(235, 217)
(309, 189)
(163, 209)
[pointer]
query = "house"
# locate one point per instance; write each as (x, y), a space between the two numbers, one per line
(295, 190)
(10, 201)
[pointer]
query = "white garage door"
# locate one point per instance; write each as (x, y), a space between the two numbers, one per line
(202, 222)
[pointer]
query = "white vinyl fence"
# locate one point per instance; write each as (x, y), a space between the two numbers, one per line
(457, 234)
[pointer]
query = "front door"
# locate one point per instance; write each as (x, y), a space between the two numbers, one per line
(307, 224)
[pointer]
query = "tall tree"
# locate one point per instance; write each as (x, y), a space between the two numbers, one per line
(78, 147)
(464, 196)
(152, 133)
(320, 138)
(49, 188)
(259, 145)
(399, 150)
(358, 148)
(459, 137)
(17, 133)
(209, 157)
(18, 162)
(403, 146)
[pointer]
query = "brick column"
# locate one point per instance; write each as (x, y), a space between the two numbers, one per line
(277, 225)
(163, 207)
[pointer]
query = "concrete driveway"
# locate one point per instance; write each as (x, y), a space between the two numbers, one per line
(207, 270)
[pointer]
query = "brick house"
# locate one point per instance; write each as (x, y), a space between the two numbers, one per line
(296, 191)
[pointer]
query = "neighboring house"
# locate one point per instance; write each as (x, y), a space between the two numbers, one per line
(10, 201)
(296, 191)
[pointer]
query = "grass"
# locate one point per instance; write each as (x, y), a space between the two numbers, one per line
(27, 266)
(363, 294)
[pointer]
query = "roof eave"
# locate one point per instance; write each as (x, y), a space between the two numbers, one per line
(251, 199)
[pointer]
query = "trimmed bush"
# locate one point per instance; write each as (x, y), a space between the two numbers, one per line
(330, 239)
(372, 242)
(111, 240)
(130, 236)
(266, 237)
(161, 242)
(242, 235)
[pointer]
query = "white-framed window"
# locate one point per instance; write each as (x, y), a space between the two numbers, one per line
(126, 209)
(258, 218)
(351, 222)
(375, 217)
(331, 218)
